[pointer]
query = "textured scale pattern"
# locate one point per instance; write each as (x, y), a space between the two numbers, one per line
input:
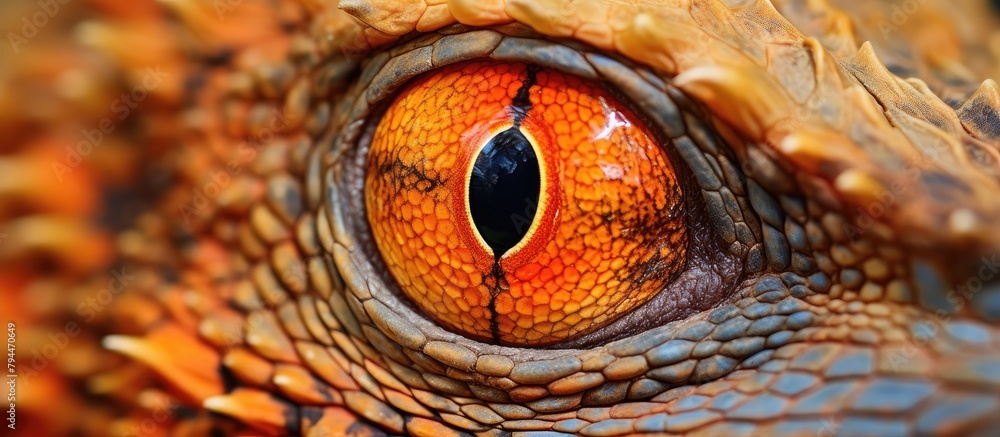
(851, 217)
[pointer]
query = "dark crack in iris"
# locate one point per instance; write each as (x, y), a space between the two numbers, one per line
(504, 189)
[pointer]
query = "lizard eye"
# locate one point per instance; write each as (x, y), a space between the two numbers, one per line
(521, 204)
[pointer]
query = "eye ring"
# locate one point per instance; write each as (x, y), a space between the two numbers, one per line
(712, 274)
(612, 232)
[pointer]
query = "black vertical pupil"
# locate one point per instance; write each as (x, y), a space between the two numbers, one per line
(503, 190)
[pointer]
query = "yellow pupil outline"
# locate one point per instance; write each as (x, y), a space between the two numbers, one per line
(543, 196)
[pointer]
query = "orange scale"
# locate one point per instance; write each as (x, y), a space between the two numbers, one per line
(570, 308)
(578, 295)
(561, 127)
(504, 304)
(559, 297)
(542, 326)
(463, 305)
(539, 297)
(459, 278)
(596, 173)
(407, 117)
(530, 285)
(571, 274)
(426, 204)
(601, 268)
(450, 305)
(562, 98)
(574, 244)
(445, 264)
(439, 277)
(550, 117)
(430, 222)
(555, 317)
(524, 323)
(427, 238)
(603, 300)
(430, 256)
(546, 275)
(590, 257)
(528, 271)
(498, 93)
(543, 258)
(552, 250)
(550, 290)
(418, 226)
(629, 250)
(557, 284)
(414, 197)
(433, 299)
(446, 234)
(461, 83)
(445, 257)
(466, 265)
(478, 312)
(524, 305)
(448, 81)
(473, 299)
(547, 97)
(467, 320)
(434, 137)
(569, 107)
(568, 257)
(588, 281)
(407, 212)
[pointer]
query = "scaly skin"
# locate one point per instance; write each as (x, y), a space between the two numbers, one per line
(844, 282)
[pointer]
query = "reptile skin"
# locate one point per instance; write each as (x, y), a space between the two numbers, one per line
(843, 279)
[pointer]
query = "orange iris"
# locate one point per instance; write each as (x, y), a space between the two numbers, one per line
(520, 204)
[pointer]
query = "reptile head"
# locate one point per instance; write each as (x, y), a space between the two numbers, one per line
(840, 269)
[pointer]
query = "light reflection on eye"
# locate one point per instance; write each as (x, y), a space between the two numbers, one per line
(613, 120)
(521, 205)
